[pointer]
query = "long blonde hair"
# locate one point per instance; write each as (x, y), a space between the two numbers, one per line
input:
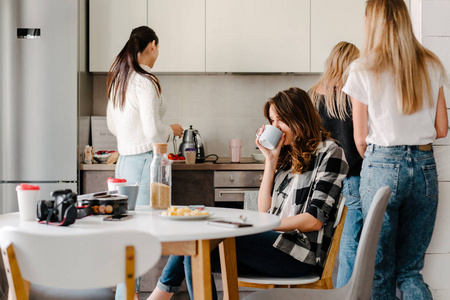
(390, 45)
(333, 80)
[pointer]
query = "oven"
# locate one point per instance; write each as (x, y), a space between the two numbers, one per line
(230, 187)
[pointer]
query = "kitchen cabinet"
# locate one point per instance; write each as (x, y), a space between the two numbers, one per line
(110, 24)
(257, 36)
(193, 188)
(331, 22)
(180, 26)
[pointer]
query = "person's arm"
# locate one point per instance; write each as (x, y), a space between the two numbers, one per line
(360, 125)
(303, 222)
(109, 120)
(270, 166)
(331, 173)
(441, 122)
(149, 109)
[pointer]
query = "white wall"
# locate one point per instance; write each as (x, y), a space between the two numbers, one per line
(432, 27)
(220, 107)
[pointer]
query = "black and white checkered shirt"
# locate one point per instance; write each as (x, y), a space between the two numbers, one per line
(290, 193)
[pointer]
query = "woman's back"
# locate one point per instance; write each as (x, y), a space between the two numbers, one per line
(387, 125)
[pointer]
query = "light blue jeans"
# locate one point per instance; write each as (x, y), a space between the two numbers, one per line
(135, 168)
(409, 219)
(352, 230)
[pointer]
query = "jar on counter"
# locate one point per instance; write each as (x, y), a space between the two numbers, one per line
(160, 178)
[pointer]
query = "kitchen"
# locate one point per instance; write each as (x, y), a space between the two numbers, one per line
(225, 104)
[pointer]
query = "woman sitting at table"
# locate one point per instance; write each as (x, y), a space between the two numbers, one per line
(301, 184)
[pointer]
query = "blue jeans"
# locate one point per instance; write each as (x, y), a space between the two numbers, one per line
(255, 255)
(352, 230)
(135, 168)
(409, 219)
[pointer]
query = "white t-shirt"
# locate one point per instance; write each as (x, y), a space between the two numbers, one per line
(139, 124)
(387, 125)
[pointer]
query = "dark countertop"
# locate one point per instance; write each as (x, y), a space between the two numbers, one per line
(247, 163)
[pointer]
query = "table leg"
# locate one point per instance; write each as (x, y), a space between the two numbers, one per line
(228, 265)
(201, 271)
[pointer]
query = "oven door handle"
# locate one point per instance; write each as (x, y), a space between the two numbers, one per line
(230, 192)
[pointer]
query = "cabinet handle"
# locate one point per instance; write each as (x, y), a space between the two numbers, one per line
(260, 178)
(221, 193)
(231, 178)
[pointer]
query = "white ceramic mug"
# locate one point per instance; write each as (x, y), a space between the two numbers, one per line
(270, 137)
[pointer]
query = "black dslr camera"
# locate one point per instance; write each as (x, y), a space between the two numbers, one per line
(61, 211)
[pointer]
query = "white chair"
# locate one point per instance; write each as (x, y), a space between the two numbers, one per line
(71, 264)
(360, 284)
(315, 281)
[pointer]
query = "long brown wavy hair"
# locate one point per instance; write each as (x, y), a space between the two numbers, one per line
(126, 61)
(296, 110)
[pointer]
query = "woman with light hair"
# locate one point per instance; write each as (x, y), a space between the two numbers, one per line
(398, 112)
(335, 110)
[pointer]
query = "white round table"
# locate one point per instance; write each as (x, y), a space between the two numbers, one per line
(178, 237)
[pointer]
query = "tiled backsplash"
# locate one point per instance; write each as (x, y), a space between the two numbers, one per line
(220, 107)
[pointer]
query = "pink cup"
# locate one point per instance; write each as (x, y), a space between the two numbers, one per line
(235, 150)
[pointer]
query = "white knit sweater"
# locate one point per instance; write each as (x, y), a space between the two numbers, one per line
(138, 125)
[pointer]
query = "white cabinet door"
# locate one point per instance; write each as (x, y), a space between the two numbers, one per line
(110, 25)
(257, 36)
(331, 22)
(180, 26)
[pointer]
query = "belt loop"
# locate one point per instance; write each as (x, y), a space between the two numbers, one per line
(370, 148)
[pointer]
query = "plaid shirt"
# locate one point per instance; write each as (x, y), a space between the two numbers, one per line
(290, 193)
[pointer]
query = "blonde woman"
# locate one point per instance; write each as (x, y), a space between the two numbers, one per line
(335, 110)
(398, 112)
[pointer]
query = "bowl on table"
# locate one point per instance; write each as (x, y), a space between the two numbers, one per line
(258, 157)
(102, 158)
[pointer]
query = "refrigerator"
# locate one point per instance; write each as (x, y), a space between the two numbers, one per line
(38, 97)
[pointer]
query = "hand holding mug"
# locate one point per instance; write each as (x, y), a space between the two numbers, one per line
(270, 141)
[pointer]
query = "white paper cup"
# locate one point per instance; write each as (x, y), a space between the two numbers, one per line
(114, 182)
(270, 137)
(28, 196)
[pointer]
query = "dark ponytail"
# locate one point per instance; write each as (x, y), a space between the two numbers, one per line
(119, 73)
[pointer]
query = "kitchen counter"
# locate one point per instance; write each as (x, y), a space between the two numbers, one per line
(223, 163)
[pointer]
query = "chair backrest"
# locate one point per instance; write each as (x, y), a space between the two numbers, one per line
(360, 284)
(79, 260)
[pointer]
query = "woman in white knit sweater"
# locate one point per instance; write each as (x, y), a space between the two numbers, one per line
(135, 111)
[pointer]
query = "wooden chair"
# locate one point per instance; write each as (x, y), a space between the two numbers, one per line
(360, 284)
(69, 264)
(312, 281)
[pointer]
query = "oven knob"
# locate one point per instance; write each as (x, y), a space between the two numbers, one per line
(231, 178)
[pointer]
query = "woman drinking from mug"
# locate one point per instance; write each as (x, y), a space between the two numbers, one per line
(134, 113)
(301, 184)
(398, 112)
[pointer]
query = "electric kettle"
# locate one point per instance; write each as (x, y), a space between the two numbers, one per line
(192, 139)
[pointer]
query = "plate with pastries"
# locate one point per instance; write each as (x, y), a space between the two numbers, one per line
(185, 213)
